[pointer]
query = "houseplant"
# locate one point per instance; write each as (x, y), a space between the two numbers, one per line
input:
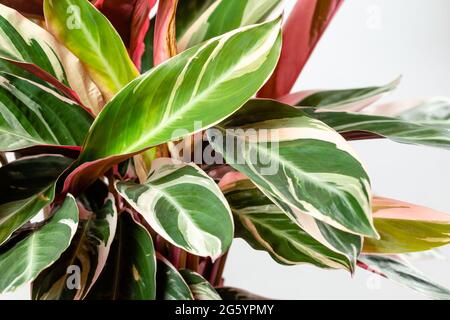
(149, 144)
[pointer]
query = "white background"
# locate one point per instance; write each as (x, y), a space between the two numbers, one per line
(370, 42)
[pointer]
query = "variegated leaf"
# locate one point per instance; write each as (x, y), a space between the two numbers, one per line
(351, 100)
(200, 288)
(87, 255)
(266, 227)
(190, 92)
(401, 272)
(355, 126)
(26, 187)
(223, 16)
(92, 38)
(33, 115)
(22, 263)
(184, 206)
(405, 228)
(188, 12)
(433, 112)
(171, 285)
(130, 270)
(300, 163)
(24, 41)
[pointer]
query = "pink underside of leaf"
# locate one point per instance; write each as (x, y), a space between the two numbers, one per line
(393, 209)
(303, 30)
(164, 45)
(230, 179)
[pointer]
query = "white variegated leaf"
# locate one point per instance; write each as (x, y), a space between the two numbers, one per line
(22, 263)
(183, 205)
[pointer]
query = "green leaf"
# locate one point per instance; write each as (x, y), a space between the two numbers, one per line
(405, 275)
(203, 84)
(92, 38)
(26, 187)
(188, 12)
(185, 206)
(24, 41)
(345, 100)
(266, 227)
(301, 164)
(392, 128)
(223, 16)
(32, 115)
(22, 263)
(406, 228)
(171, 285)
(130, 271)
(200, 288)
(235, 294)
(87, 254)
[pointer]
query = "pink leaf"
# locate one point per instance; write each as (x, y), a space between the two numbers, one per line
(165, 37)
(384, 208)
(303, 30)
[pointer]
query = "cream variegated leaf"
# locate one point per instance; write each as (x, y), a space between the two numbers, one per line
(201, 289)
(22, 263)
(24, 41)
(87, 254)
(33, 115)
(222, 16)
(26, 187)
(171, 284)
(300, 163)
(130, 270)
(400, 271)
(183, 205)
(266, 227)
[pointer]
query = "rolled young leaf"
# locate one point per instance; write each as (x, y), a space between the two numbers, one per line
(165, 45)
(223, 16)
(301, 33)
(351, 125)
(299, 163)
(92, 38)
(406, 228)
(26, 187)
(266, 227)
(400, 272)
(130, 271)
(185, 206)
(200, 288)
(24, 41)
(171, 285)
(33, 115)
(22, 263)
(165, 104)
(87, 255)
